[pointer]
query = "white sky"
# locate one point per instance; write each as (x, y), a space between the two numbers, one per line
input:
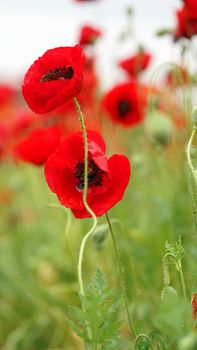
(29, 27)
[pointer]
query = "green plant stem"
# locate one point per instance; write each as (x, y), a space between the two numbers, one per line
(188, 153)
(179, 269)
(143, 336)
(183, 282)
(85, 191)
(67, 227)
(130, 320)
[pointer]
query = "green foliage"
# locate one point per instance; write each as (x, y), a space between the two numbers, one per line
(175, 249)
(173, 316)
(97, 321)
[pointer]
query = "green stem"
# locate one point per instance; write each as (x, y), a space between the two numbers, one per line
(188, 153)
(67, 227)
(179, 269)
(130, 320)
(183, 282)
(143, 336)
(85, 191)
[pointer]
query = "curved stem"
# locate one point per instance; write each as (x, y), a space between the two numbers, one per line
(188, 149)
(143, 336)
(85, 191)
(179, 269)
(80, 259)
(130, 320)
(67, 227)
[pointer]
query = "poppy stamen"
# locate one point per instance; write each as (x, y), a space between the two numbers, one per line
(58, 74)
(95, 174)
(124, 107)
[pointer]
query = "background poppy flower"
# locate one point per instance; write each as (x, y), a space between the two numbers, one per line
(135, 64)
(125, 103)
(7, 93)
(191, 5)
(3, 139)
(107, 178)
(186, 23)
(194, 305)
(54, 78)
(89, 35)
(22, 121)
(38, 145)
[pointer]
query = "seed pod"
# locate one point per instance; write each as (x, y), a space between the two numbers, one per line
(100, 234)
(159, 127)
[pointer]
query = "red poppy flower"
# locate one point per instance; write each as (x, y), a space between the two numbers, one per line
(7, 92)
(191, 5)
(39, 144)
(134, 65)
(3, 139)
(125, 103)
(89, 35)
(107, 178)
(54, 78)
(87, 93)
(21, 121)
(186, 23)
(194, 305)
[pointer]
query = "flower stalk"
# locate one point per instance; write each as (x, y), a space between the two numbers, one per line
(85, 191)
(130, 320)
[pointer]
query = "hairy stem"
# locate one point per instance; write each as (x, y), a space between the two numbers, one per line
(130, 320)
(85, 191)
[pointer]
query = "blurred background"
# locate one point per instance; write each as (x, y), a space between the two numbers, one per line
(29, 28)
(143, 50)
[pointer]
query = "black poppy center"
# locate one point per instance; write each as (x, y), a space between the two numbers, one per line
(124, 107)
(95, 174)
(58, 74)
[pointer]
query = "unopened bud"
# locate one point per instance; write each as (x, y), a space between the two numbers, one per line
(100, 234)
(159, 127)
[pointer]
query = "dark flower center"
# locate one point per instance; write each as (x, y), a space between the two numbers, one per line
(124, 106)
(58, 74)
(95, 174)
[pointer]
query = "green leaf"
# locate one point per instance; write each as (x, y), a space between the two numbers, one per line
(99, 315)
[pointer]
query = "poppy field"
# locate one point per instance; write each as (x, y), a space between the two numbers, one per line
(98, 186)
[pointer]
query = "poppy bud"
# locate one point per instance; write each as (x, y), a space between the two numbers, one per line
(159, 128)
(189, 342)
(138, 160)
(129, 11)
(194, 115)
(100, 234)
